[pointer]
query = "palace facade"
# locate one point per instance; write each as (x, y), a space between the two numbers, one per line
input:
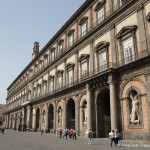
(93, 74)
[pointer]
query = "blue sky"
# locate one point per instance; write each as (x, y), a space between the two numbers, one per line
(22, 22)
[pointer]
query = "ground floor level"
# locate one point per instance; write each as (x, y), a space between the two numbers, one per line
(101, 104)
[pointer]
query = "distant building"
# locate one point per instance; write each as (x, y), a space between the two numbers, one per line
(1, 114)
(93, 74)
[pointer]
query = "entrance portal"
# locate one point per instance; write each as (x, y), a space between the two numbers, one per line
(71, 114)
(37, 119)
(103, 114)
(50, 117)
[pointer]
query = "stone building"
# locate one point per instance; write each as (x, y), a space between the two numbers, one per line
(93, 73)
(1, 114)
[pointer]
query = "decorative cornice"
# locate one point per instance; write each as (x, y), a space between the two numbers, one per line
(82, 20)
(46, 55)
(101, 45)
(60, 41)
(126, 30)
(99, 5)
(59, 72)
(70, 65)
(83, 56)
(52, 49)
(51, 77)
(70, 31)
(148, 17)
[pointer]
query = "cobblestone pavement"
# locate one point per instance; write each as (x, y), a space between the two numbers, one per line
(14, 140)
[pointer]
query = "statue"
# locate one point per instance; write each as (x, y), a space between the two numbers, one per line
(85, 114)
(60, 116)
(134, 116)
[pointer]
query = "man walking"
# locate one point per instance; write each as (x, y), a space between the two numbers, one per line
(90, 136)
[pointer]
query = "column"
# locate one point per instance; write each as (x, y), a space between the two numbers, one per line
(77, 116)
(34, 119)
(54, 121)
(113, 103)
(46, 121)
(64, 115)
(141, 28)
(89, 121)
(40, 118)
(28, 117)
(23, 118)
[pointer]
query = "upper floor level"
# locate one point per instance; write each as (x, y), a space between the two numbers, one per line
(100, 35)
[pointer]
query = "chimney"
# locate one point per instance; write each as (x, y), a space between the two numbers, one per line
(35, 50)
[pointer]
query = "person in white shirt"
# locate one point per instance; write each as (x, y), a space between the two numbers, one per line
(117, 134)
(112, 137)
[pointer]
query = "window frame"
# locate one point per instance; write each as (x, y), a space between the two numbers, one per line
(125, 33)
(99, 49)
(84, 58)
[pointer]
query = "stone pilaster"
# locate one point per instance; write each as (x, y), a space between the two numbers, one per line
(89, 121)
(76, 67)
(141, 28)
(91, 60)
(113, 43)
(64, 74)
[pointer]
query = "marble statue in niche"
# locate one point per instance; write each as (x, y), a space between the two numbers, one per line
(60, 116)
(85, 114)
(134, 110)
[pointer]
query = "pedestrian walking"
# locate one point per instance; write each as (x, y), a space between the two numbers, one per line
(117, 134)
(90, 136)
(74, 135)
(42, 131)
(112, 137)
(3, 129)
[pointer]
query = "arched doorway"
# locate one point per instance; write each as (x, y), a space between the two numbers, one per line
(37, 119)
(50, 117)
(71, 114)
(103, 114)
(31, 117)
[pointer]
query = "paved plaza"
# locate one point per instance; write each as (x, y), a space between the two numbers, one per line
(14, 140)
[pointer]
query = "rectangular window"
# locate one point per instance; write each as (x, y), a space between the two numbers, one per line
(40, 66)
(102, 61)
(70, 77)
(70, 40)
(83, 29)
(46, 61)
(100, 15)
(59, 82)
(51, 85)
(84, 70)
(52, 55)
(39, 91)
(44, 88)
(60, 47)
(128, 50)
